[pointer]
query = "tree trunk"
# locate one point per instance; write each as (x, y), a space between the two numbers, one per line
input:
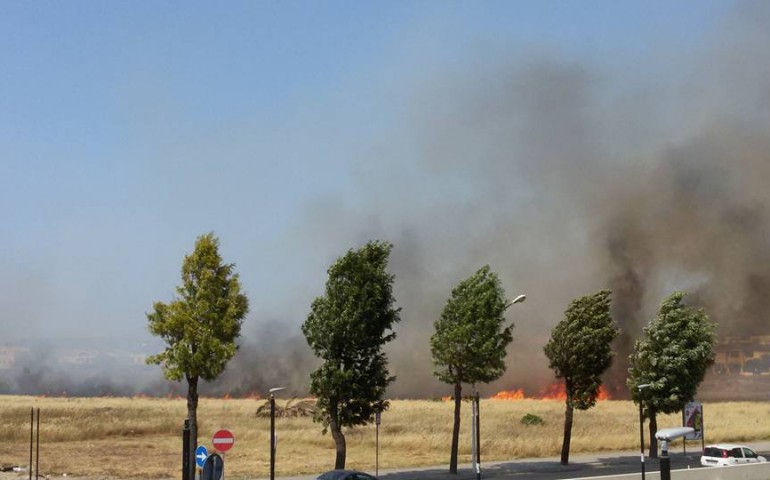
(339, 438)
(456, 429)
(653, 430)
(192, 414)
(567, 434)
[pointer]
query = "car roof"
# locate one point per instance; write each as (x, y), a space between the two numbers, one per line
(726, 445)
(340, 472)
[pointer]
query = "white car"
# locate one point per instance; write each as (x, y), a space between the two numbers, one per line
(725, 454)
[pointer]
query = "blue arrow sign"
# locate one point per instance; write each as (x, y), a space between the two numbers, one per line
(200, 455)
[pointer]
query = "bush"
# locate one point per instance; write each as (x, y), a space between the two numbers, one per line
(530, 419)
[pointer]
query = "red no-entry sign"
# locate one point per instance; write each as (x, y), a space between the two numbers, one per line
(223, 440)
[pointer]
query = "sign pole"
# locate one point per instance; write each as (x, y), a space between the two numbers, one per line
(377, 418)
(684, 439)
(478, 436)
(272, 436)
(37, 447)
(641, 423)
(474, 438)
(31, 438)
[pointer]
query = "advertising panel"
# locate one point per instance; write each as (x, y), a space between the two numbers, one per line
(693, 417)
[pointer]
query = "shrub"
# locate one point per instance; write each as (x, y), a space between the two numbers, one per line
(530, 419)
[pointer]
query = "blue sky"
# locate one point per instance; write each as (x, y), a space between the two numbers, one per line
(297, 130)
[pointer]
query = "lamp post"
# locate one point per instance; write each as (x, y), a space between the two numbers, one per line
(476, 411)
(272, 429)
(641, 424)
(518, 299)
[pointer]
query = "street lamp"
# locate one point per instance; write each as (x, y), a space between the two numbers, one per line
(518, 299)
(476, 411)
(641, 423)
(273, 391)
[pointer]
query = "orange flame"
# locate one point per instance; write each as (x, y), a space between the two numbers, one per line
(509, 395)
(603, 394)
(553, 391)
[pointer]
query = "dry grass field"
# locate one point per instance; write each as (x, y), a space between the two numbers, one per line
(141, 437)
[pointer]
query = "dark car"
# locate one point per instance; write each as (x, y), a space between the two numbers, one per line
(345, 475)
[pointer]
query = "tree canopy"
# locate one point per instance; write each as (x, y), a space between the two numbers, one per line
(469, 342)
(672, 358)
(579, 351)
(201, 325)
(347, 328)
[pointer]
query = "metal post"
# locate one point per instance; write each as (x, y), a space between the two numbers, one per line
(478, 437)
(186, 450)
(273, 440)
(377, 419)
(37, 448)
(31, 437)
(665, 461)
(684, 439)
(641, 431)
(272, 436)
(474, 465)
(641, 422)
(702, 432)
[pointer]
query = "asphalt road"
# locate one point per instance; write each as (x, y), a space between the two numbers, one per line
(581, 466)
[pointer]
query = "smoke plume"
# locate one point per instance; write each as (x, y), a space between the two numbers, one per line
(566, 175)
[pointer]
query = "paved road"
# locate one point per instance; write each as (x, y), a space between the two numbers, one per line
(581, 466)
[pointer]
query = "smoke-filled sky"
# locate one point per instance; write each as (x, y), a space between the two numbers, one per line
(572, 146)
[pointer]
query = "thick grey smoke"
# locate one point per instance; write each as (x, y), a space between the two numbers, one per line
(566, 176)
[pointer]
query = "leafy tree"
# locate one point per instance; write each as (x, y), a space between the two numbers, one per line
(347, 328)
(579, 351)
(200, 326)
(673, 356)
(469, 343)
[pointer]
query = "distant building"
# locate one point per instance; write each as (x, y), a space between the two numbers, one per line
(748, 355)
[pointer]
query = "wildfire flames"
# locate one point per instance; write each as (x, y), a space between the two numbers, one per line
(509, 395)
(554, 391)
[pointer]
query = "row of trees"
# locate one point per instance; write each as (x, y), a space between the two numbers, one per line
(349, 325)
(672, 357)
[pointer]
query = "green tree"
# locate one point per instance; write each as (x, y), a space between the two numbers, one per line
(579, 352)
(347, 328)
(672, 357)
(200, 325)
(469, 342)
